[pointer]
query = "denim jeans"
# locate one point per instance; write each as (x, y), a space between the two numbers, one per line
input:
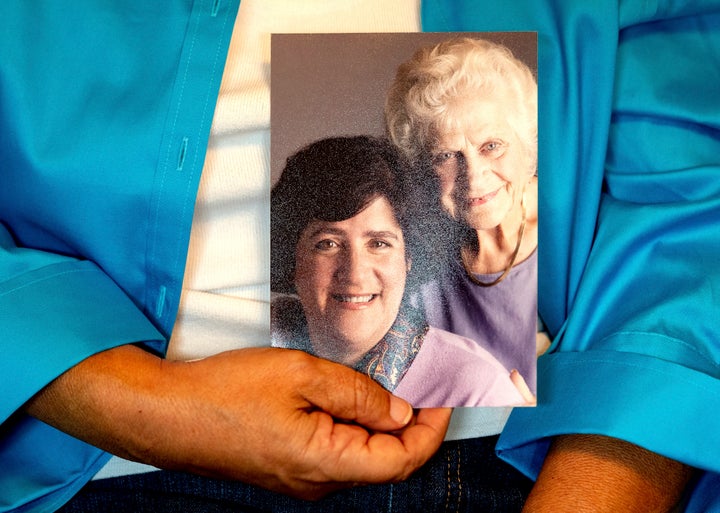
(464, 476)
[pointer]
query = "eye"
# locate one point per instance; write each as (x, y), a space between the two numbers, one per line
(494, 148)
(326, 245)
(379, 244)
(442, 157)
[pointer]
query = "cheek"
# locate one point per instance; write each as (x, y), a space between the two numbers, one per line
(446, 180)
(516, 171)
(446, 186)
(396, 276)
(310, 276)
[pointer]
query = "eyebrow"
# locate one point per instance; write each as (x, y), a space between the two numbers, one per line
(441, 148)
(371, 234)
(382, 234)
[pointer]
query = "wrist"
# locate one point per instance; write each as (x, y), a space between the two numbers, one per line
(108, 400)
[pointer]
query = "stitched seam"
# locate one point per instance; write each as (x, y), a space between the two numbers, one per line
(676, 340)
(459, 479)
(634, 366)
(164, 168)
(447, 483)
(202, 121)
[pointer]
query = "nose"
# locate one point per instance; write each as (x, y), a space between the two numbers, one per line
(354, 267)
(475, 168)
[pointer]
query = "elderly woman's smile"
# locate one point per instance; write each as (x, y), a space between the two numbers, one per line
(350, 276)
(481, 199)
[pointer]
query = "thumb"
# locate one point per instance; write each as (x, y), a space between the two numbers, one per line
(349, 395)
(521, 385)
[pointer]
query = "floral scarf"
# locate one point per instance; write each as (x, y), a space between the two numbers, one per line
(387, 362)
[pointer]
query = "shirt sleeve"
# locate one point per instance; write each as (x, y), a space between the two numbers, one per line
(105, 112)
(56, 311)
(629, 281)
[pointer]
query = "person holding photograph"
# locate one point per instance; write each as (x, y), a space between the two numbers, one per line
(105, 113)
(465, 113)
(344, 239)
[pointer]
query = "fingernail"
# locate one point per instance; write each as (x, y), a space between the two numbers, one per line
(400, 411)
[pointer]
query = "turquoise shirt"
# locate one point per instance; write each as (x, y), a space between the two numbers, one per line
(105, 113)
(629, 251)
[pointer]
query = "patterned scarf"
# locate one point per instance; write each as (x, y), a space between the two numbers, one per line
(387, 362)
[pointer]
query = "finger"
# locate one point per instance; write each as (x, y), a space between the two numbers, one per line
(429, 429)
(542, 343)
(349, 395)
(522, 387)
(418, 443)
(381, 457)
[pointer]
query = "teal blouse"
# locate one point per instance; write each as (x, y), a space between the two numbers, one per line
(629, 252)
(105, 113)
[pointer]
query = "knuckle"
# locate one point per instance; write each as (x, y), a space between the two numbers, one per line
(365, 400)
(299, 365)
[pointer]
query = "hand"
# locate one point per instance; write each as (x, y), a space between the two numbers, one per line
(521, 385)
(280, 419)
(542, 343)
(306, 426)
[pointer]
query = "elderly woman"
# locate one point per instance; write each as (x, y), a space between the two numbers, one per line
(464, 112)
(344, 240)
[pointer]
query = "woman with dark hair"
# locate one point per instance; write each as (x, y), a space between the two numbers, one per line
(344, 240)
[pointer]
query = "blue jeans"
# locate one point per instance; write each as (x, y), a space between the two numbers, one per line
(464, 476)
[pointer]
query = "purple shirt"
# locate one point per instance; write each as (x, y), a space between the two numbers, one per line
(447, 370)
(501, 318)
(450, 370)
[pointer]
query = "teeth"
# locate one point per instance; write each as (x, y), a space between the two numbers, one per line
(354, 299)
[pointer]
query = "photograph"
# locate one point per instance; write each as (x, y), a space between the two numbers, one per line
(404, 214)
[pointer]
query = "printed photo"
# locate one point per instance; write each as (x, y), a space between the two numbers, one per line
(404, 212)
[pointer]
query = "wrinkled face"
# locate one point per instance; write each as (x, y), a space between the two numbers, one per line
(350, 276)
(482, 165)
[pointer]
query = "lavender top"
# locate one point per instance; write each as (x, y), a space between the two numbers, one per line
(446, 370)
(502, 319)
(450, 370)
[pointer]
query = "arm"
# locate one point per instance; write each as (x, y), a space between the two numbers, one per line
(64, 166)
(263, 416)
(624, 477)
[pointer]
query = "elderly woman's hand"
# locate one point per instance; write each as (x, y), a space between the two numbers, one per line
(542, 344)
(280, 419)
(521, 385)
